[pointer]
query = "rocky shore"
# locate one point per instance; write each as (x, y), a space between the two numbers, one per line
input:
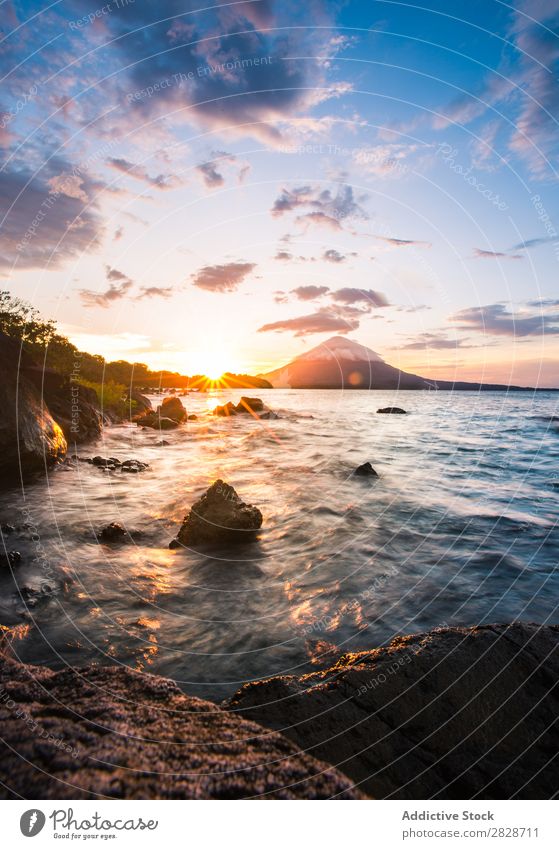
(454, 713)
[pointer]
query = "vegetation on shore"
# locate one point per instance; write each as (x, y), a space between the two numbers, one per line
(41, 340)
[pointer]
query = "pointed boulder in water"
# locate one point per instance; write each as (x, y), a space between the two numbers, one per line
(219, 516)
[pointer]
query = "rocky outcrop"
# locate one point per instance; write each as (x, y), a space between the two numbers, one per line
(30, 439)
(365, 470)
(219, 516)
(248, 406)
(172, 408)
(141, 404)
(393, 411)
(452, 714)
(76, 410)
(117, 734)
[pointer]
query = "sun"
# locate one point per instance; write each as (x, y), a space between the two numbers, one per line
(212, 362)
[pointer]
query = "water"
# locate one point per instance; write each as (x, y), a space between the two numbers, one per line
(460, 528)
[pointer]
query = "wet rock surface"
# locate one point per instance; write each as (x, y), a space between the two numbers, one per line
(454, 713)
(397, 411)
(30, 438)
(172, 408)
(219, 516)
(365, 470)
(112, 464)
(112, 733)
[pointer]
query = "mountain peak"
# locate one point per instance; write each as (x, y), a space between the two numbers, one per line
(341, 348)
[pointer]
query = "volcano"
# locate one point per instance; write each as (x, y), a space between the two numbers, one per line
(343, 363)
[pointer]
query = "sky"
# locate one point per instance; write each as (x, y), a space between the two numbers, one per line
(208, 187)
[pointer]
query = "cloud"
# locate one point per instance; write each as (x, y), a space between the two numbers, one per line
(224, 68)
(120, 285)
(323, 204)
(332, 255)
(212, 177)
(481, 254)
(403, 243)
(495, 319)
(323, 321)
(534, 243)
(283, 256)
(309, 293)
(433, 341)
(222, 278)
(350, 295)
(154, 292)
(138, 172)
(44, 223)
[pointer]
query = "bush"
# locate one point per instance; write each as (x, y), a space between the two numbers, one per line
(111, 397)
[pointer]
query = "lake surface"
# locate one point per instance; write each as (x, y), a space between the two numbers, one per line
(461, 527)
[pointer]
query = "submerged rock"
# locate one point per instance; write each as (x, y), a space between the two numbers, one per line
(172, 408)
(112, 463)
(151, 740)
(115, 532)
(365, 470)
(219, 516)
(450, 714)
(394, 410)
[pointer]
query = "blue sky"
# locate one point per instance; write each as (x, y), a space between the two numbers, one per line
(229, 187)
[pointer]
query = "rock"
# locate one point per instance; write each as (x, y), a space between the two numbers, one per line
(365, 470)
(450, 714)
(112, 463)
(118, 734)
(193, 418)
(228, 409)
(394, 410)
(166, 424)
(8, 529)
(114, 532)
(250, 405)
(161, 443)
(10, 559)
(156, 422)
(219, 516)
(30, 438)
(76, 409)
(172, 408)
(141, 403)
(133, 466)
(269, 414)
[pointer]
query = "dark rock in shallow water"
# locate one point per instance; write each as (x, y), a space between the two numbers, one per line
(365, 470)
(219, 516)
(250, 405)
(112, 463)
(9, 559)
(8, 529)
(450, 714)
(228, 409)
(193, 418)
(118, 734)
(114, 532)
(172, 408)
(394, 410)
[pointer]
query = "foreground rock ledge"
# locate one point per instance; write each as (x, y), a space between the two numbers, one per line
(111, 733)
(456, 713)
